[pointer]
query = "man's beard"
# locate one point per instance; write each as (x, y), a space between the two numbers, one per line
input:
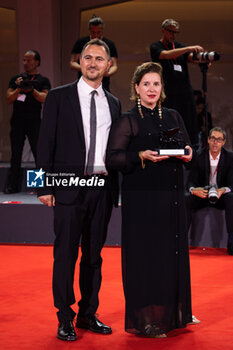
(93, 77)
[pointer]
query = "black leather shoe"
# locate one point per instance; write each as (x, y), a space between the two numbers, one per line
(93, 324)
(230, 248)
(66, 331)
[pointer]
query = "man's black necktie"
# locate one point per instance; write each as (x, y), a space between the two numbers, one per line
(91, 154)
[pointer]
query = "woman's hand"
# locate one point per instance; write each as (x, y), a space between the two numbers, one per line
(153, 156)
(188, 157)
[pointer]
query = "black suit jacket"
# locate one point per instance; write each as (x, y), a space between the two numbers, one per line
(200, 170)
(61, 144)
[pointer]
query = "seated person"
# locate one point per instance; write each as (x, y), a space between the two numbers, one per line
(212, 171)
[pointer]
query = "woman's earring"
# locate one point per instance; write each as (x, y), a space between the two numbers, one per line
(160, 109)
(139, 106)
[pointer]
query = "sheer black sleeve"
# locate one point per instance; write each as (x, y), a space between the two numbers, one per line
(119, 155)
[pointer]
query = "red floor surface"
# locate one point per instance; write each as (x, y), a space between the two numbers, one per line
(28, 318)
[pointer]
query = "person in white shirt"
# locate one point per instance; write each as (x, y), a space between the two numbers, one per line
(210, 181)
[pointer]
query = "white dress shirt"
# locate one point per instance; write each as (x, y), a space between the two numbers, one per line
(213, 169)
(103, 122)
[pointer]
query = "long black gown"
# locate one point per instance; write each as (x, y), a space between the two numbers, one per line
(155, 257)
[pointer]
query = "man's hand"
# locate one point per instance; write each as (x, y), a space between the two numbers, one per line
(48, 200)
(196, 48)
(200, 192)
(18, 81)
(113, 67)
(220, 191)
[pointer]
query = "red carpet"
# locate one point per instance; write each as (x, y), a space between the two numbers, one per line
(28, 318)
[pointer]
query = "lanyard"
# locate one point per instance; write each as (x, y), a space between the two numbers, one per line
(214, 174)
(166, 47)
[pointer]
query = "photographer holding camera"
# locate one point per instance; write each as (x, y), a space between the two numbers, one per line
(27, 91)
(174, 58)
(210, 181)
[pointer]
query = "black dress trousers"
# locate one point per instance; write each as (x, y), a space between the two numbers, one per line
(86, 219)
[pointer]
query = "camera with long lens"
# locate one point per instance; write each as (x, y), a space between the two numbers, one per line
(212, 193)
(206, 56)
(27, 84)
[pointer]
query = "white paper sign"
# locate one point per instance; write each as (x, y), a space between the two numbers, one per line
(177, 67)
(21, 97)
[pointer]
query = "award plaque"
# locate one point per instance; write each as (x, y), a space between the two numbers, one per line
(171, 143)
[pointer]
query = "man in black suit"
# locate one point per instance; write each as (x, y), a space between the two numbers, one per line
(65, 147)
(213, 168)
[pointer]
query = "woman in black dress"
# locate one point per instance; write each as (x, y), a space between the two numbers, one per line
(155, 257)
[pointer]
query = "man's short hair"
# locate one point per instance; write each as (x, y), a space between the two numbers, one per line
(170, 22)
(95, 21)
(35, 53)
(217, 128)
(97, 42)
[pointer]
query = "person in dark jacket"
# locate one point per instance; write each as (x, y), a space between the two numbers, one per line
(210, 181)
(73, 140)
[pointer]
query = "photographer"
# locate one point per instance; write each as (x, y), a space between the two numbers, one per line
(174, 58)
(210, 181)
(27, 91)
(96, 31)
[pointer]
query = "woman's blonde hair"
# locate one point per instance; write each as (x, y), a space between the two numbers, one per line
(140, 71)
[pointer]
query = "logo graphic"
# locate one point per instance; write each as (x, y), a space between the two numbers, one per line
(35, 178)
